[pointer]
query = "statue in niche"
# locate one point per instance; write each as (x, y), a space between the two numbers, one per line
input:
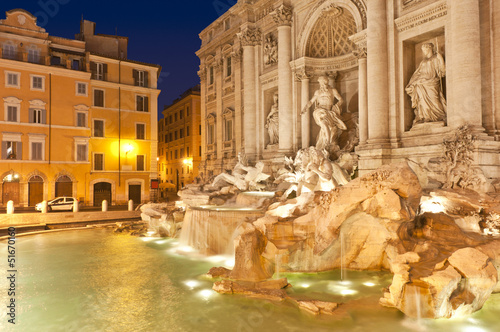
(272, 123)
(270, 50)
(327, 116)
(425, 87)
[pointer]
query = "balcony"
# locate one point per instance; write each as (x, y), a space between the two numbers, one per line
(44, 59)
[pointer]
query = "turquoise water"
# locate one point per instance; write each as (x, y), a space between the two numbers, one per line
(93, 280)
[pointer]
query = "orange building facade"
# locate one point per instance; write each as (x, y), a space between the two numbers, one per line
(79, 118)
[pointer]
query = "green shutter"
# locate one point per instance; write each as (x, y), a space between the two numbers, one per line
(93, 69)
(146, 104)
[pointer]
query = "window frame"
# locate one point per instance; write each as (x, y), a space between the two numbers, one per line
(137, 124)
(18, 79)
(94, 97)
(95, 161)
(32, 82)
(86, 94)
(94, 128)
(143, 166)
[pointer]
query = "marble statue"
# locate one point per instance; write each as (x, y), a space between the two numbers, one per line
(327, 115)
(312, 170)
(243, 177)
(425, 87)
(272, 123)
(270, 51)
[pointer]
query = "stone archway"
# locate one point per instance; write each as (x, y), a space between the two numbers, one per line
(11, 187)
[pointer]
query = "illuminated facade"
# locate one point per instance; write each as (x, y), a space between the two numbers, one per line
(79, 118)
(179, 141)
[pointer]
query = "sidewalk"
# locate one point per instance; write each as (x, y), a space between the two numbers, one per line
(42, 221)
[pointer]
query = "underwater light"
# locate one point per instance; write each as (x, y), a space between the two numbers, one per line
(229, 262)
(186, 249)
(206, 293)
(192, 283)
(305, 285)
(348, 292)
(369, 284)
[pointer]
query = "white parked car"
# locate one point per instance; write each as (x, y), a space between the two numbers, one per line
(58, 204)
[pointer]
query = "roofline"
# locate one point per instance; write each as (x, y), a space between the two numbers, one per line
(21, 10)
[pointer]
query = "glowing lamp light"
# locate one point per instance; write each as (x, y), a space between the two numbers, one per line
(187, 161)
(128, 148)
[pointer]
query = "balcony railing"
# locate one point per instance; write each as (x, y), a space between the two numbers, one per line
(42, 59)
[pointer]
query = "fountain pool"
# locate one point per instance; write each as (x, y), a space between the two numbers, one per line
(94, 280)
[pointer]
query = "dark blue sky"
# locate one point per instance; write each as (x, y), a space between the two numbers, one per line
(163, 32)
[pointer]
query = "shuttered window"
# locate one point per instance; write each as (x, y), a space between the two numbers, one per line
(140, 162)
(12, 113)
(140, 131)
(98, 162)
(142, 104)
(99, 71)
(12, 150)
(81, 119)
(98, 128)
(81, 152)
(141, 78)
(99, 98)
(36, 151)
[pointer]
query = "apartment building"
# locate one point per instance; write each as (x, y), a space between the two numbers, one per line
(80, 118)
(179, 142)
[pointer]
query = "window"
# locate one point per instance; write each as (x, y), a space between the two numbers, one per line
(228, 67)
(175, 134)
(199, 150)
(140, 131)
(81, 90)
(199, 128)
(227, 24)
(181, 114)
(229, 130)
(182, 153)
(75, 64)
(187, 111)
(170, 137)
(181, 133)
(140, 162)
(12, 80)
(99, 98)
(55, 60)
(98, 128)
(170, 119)
(37, 83)
(142, 104)
(175, 117)
(12, 112)
(98, 162)
(187, 131)
(9, 51)
(81, 152)
(81, 119)
(11, 150)
(36, 151)
(211, 75)
(33, 55)
(37, 116)
(166, 138)
(210, 134)
(99, 71)
(176, 154)
(140, 77)
(187, 151)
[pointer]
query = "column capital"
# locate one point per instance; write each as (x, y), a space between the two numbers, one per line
(302, 74)
(250, 37)
(282, 15)
(360, 52)
(202, 73)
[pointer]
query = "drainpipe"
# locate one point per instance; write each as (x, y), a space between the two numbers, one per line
(119, 124)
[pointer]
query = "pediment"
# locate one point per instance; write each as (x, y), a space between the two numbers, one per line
(21, 18)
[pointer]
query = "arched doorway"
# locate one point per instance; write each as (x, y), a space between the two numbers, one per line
(10, 189)
(35, 190)
(102, 191)
(64, 186)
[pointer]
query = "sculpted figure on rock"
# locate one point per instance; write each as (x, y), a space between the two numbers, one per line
(425, 87)
(327, 115)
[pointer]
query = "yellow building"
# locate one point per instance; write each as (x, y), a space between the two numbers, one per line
(79, 119)
(179, 142)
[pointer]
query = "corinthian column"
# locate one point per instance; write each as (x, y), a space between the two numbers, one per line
(283, 17)
(304, 79)
(465, 82)
(377, 72)
(249, 37)
(362, 95)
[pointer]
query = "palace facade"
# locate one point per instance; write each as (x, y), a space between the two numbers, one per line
(79, 118)
(376, 54)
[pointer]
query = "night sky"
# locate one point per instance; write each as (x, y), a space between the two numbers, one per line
(163, 32)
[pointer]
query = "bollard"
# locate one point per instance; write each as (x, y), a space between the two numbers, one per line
(44, 207)
(104, 206)
(10, 207)
(75, 206)
(131, 205)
